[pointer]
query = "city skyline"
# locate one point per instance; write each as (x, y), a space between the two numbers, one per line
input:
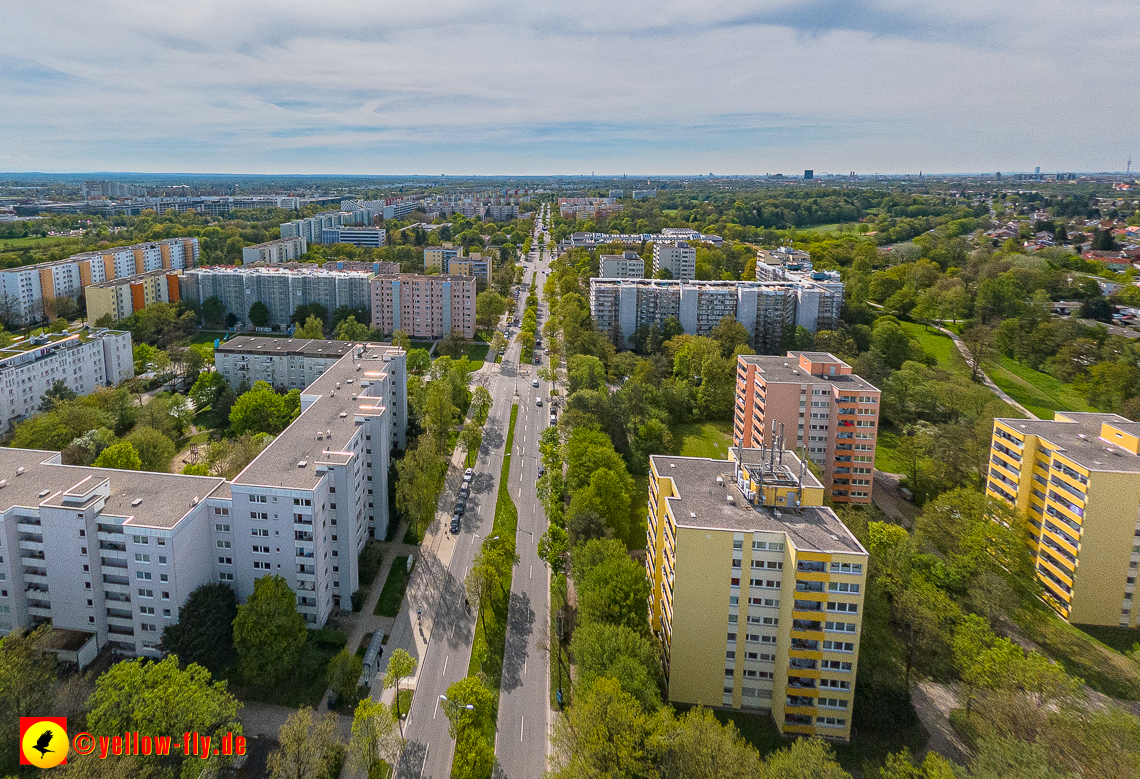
(522, 90)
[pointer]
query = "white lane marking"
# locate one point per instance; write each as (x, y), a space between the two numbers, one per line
(524, 665)
(436, 708)
(424, 765)
(522, 721)
(445, 659)
(465, 574)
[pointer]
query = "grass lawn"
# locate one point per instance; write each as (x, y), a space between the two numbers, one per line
(1082, 654)
(703, 439)
(370, 560)
(829, 228)
(1120, 639)
(205, 340)
(392, 595)
(35, 242)
(888, 458)
(1039, 392)
(940, 346)
(310, 675)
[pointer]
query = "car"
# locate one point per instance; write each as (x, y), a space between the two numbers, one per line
(553, 420)
(534, 383)
(546, 351)
(460, 508)
(537, 359)
(464, 491)
(469, 474)
(541, 470)
(538, 402)
(455, 525)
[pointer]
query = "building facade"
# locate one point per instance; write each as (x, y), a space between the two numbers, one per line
(373, 267)
(620, 306)
(282, 363)
(1076, 479)
(273, 252)
(438, 258)
(756, 589)
(357, 236)
(475, 264)
(677, 257)
(424, 306)
(122, 297)
(816, 403)
(26, 293)
(627, 265)
(116, 553)
(84, 362)
(281, 289)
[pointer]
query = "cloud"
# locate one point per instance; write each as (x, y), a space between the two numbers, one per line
(677, 85)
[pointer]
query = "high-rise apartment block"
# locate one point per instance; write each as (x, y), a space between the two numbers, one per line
(310, 228)
(282, 363)
(115, 553)
(373, 237)
(817, 403)
(757, 589)
(627, 265)
(24, 290)
(365, 266)
(1076, 478)
(275, 252)
(83, 361)
(451, 259)
(677, 257)
(424, 306)
(621, 306)
(281, 289)
(122, 297)
(437, 258)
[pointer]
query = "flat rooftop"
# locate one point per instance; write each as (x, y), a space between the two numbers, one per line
(1080, 441)
(165, 498)
(787, 370)
(332, 416)
(136, 277)
(305, 347)
(809, 528)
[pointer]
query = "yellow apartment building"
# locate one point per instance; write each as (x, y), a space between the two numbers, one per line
(757, 589)
(1077, 480)
(122, 297)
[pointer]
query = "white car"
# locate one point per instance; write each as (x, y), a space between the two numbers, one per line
(534, 383)
(538, 402)
(469, 474)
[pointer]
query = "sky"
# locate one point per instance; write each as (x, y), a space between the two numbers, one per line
(542, 87)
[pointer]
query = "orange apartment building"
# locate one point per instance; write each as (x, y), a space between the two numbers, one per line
(826, 411)
(424, 306)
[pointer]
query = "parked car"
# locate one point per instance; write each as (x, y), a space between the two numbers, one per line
(538, 402)
(553, 420)
(455, 524)
(534, 383)
(464, 491)
(469, 474)
(460, 508)
(541, 470)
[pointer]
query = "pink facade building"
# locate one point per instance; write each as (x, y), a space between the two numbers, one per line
(824, 409)
(424, 306)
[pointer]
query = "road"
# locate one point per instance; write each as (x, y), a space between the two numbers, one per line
(524, 693)
(442, 641)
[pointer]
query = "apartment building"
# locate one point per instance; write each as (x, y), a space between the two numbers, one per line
(437, 258)
(23, 290)
(474, 264)
(272, 252)
(357, 236)
(620, 306)
(627, 265)
(1076, 479)
(281, 289)
(677, 257)
(84, 361)
(424, 306)
(783, 639)
(311, 227)
(122, 297)
(594, 208)
(770, 263)
(816, 402)
(283, 363)
(115, 553)
(364, 266)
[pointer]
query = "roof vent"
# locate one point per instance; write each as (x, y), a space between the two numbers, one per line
(692, 515)
(795, 371)
(195, 501)
(1082, 436)
(348, 381)
(720, 480)
(729, 498)
(672, 465)
(44, 493)
(136, 502)
(834, 537)
(343, 414)
(3, 483)
(302, 463)
(320, 436)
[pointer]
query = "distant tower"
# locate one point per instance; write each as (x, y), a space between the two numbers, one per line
(809, 174)
(1037, 171)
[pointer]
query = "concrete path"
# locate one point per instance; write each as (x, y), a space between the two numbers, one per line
(265, 720)
(985, 379)
(887, 497)
(933, 703)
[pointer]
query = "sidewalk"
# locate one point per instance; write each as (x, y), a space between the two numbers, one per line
(985, 379)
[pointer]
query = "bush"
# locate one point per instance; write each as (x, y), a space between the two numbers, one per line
(370, 562)
(328, 638)
(358, 600)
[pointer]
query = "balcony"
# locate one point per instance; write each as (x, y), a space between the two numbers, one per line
(801, 683)
(807, 605)
(809, 586)
(36, 578)
(805, 645)
(32, 545)
(44, 612)
(299, 535)
(113, 562)
(807, 625)
(811, 566)
(112, 546)
(802, 664)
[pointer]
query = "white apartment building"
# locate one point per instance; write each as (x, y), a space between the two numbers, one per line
(620, 306)
(677, 257)
(357, 236)
(424, 306)
(283, 363)
(116, 553)
(84, 362)
(281, 250)
(310, 228)
(23, 290)
(280, 288)
(627, 265)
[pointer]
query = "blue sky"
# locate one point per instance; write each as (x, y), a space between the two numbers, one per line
(675, 86)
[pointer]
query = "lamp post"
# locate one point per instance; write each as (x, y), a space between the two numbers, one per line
(452, 709)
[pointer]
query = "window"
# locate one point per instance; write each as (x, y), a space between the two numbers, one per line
(831, 722)
(223, 544)
(260, 532)
(259, 515)
(165, 595)
(145, 575)
(146, 593)
(146, 610)
(140, 539)
(260, 549)
(258, 499)
(222, 528)
(142, 558)
(839, 646)
(850, 608)
(162, 559)
(225, 561)
(835, 684)
(842, 587)
(166, 613)
(836, 665)
(840, 627)
(306, 501)
(833, 703)
(163, 577)
(225, 577)
(262, 566)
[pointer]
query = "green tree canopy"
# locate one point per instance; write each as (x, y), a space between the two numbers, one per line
(121, 456)
(268, 633)
(204, 633)
(259, 314)
(261, 410)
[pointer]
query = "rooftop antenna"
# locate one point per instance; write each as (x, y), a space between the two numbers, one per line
(781, 444)
(772, 451)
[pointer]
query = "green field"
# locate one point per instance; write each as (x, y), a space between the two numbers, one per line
(388, 605)
(703, 439)
(1039, 392)
(940, 346)
(8, 244)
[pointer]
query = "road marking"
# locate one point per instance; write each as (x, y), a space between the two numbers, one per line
(532, 572)
(436, 708)
(445, 659)
(465, 574)
(424, 764)
(522, 721)
(524, 666)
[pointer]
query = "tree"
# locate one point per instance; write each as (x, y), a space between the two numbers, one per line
(553, 547)
(213, 311)
(810, 758)
(419, 361)
(480, 584)
(615, 592)
(400, 339)
(417, 484)
(313, 328)
(608, 496)
(58, 393)
(979, 341)
(204, 633)
(343, 675)
(207, 389)
(604, 734)
(729, 334)
(1102, 241)
(121, 456)
(463, 721)
(699, 747)
(268, 633)
(154, 449)
(27, 673)
(440, 412)
(401, 665)
(159, 697)
(309, 747)
(481, 402)
(261, 410)
(489, 307)
(375, 738)
(615, 651)
(259, 314)
(470, 437)
(302, 314)
(351, 330)
(499, 552)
